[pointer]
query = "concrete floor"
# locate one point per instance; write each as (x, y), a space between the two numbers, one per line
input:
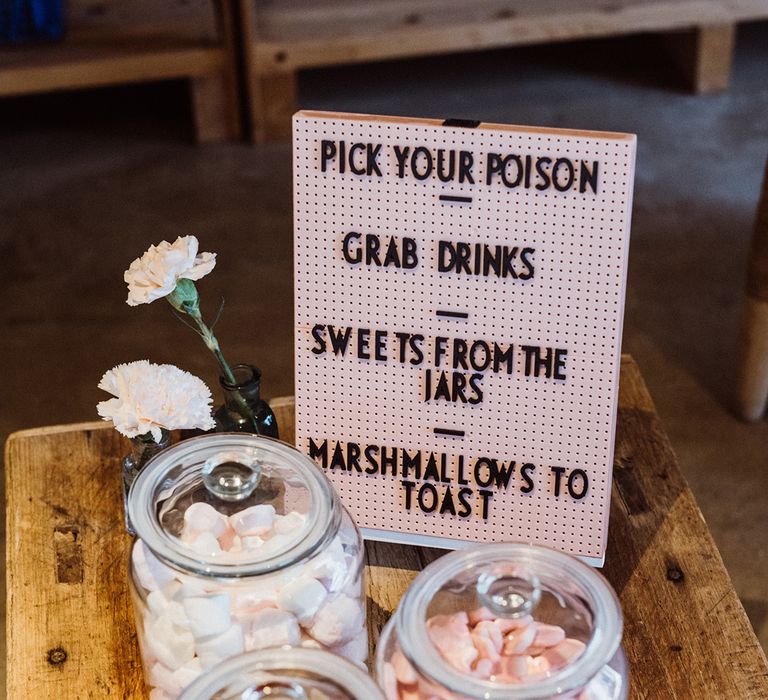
(87, 180)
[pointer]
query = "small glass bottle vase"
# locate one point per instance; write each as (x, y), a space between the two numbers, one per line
(142, 450)
(244, 411)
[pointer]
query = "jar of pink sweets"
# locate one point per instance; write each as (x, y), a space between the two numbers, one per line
(242, 544)
(284, 674)
(505, 621)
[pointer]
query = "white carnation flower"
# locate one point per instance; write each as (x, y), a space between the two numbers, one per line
(154, 275)
(150, 397)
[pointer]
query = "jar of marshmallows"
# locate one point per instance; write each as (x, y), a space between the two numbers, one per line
(284, 674)
(505, 621)
(242, 544)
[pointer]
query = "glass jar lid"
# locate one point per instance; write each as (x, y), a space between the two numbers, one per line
(284, 674)
(558, 617)
(233, 505)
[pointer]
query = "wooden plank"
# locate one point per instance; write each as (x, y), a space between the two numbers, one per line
(66, 66)
(289, 36)
(118, 20)
(70, 626)
(70, 630)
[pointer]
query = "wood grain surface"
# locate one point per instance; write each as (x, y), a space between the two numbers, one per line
(70, 624)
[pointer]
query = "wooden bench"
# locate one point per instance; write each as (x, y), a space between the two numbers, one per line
(279, 38)
(71, 629)
(112, 42)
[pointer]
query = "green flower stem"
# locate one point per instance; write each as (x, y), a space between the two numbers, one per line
(185, 299)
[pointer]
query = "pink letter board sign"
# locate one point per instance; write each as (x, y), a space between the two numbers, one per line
(459, 293)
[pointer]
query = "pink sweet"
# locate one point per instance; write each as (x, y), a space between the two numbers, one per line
(507, 624)
(548, 635)
(517, 641)
(403, 670)
(563, 653)
(515, 666)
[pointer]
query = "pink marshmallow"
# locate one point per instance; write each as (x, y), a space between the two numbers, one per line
(339, 620)
(563, 653)
(507, 624)
(515, 666)
(538, 666)
(479, 615)
(517, 641)
(255, 520)
(484, 668)
(405, 673)
(272, 628)
(548, 635)
(389, 683)
(488, 640)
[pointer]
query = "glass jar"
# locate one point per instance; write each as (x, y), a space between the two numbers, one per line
(143, 448)
(505, 621)
(284, 674)
(242, 544)
(244, 411)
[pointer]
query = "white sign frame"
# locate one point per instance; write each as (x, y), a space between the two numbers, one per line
(564, 195)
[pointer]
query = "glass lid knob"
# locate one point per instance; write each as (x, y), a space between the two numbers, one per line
(275, 690)
(231, 477)
(509, 593)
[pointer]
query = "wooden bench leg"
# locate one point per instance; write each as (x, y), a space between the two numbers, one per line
(713, 57)
(704, 55)
(753, 384)
(214, 107)
(753, 387)
(272, 102)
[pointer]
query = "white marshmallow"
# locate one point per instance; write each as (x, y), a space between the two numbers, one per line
(208, 660)
(202, 517)
(272, 628)
(254, 599)
(276, 544)
(337, 621)
(223, 645)
(188, 672)
(171, 646)
(330, 567)
(303, 598)
(151, 572)
(356, 649)
(255, 520)
(158, 694)
(163, 678)
(206, 544)
(308, 643)
(250, 542)
(208, 616)
(285, 524)
(191, 587)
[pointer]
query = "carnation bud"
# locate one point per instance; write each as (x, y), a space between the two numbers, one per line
(185, 298)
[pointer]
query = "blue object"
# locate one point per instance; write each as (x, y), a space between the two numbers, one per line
(30, 20)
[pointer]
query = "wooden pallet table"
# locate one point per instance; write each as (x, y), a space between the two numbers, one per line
(280, 38)
(70, 626)
(108, 42)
